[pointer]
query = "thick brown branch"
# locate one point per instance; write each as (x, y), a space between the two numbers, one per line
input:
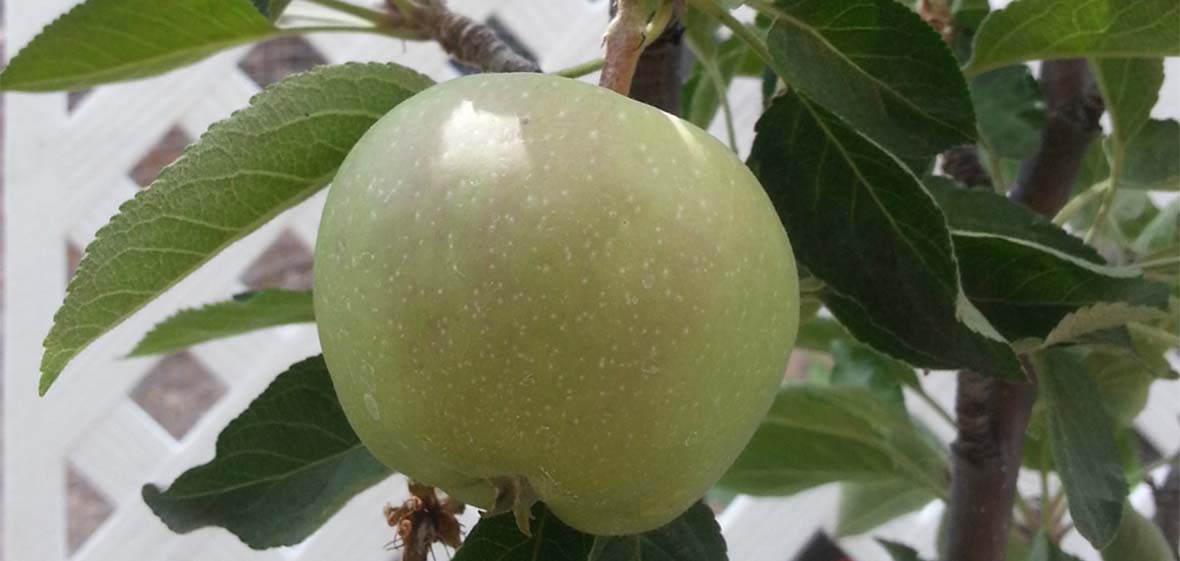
(1167, 507)
(993, 415)
(1073, 106)
(469, 42)
(477, 45)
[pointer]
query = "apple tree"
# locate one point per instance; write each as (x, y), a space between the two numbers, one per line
(569, 307)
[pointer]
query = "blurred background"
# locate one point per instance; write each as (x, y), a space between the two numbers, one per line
(74, 461)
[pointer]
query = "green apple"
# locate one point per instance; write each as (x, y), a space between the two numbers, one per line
(528, 283)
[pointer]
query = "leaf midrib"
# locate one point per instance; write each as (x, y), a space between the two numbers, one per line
(806, 28)
(263, 480)
(84, 78)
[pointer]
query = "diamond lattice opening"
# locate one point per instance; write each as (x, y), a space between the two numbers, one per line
(167, 149)
(86, 509)
(178, 392)
(285, 264)
(271, 61)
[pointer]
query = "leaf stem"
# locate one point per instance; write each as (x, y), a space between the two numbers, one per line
(999, 182)
(386, 31)
(766, 8)
(579, 70)
(379, 18)
(709, 64)
(1046, 508)
(810, 286)
(1076, 204)
(726, 110)
(1160, 262)
(739, 29)
(1026, 510)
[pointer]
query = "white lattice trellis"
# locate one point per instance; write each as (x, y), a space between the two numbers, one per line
(66, 174)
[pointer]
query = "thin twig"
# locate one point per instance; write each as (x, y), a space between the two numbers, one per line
(386, 31)
(1076, 204)
(1158, 262)
(374, 16)
(579, 70)
(739, 29)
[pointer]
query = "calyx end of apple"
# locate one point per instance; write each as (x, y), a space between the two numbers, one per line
(516, 495)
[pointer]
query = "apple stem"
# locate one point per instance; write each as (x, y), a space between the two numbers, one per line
(632, 29)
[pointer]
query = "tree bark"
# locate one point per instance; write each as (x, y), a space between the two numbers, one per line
(993, 415)
(1167, 507)
(468, 41)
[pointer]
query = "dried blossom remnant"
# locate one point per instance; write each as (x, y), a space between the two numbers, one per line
(423, 520)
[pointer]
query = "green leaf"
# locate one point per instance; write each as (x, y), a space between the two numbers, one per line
(694, 536)
(1052, 29)
(859, 221)
(899, 551)
(101, 41)
(1026, 290)
(1131, 213)
(878, 66)
(1128, 441)
(815, 435)
(983, 211)
(1026, 274)
(864, 506)
(1130, 88)
(243, 172)
(1010, 111)
(1138, 539)
(1123, 384)
(282, 468)
(1081, 437)
(1045, 550)
(966, 16)
(858, 365)
(1149, 158)
(1162, 232)
(1094, 167)
(272, 9)
(246, 312)
(1076, 325)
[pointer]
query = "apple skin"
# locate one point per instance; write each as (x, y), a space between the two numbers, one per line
(525, 277)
